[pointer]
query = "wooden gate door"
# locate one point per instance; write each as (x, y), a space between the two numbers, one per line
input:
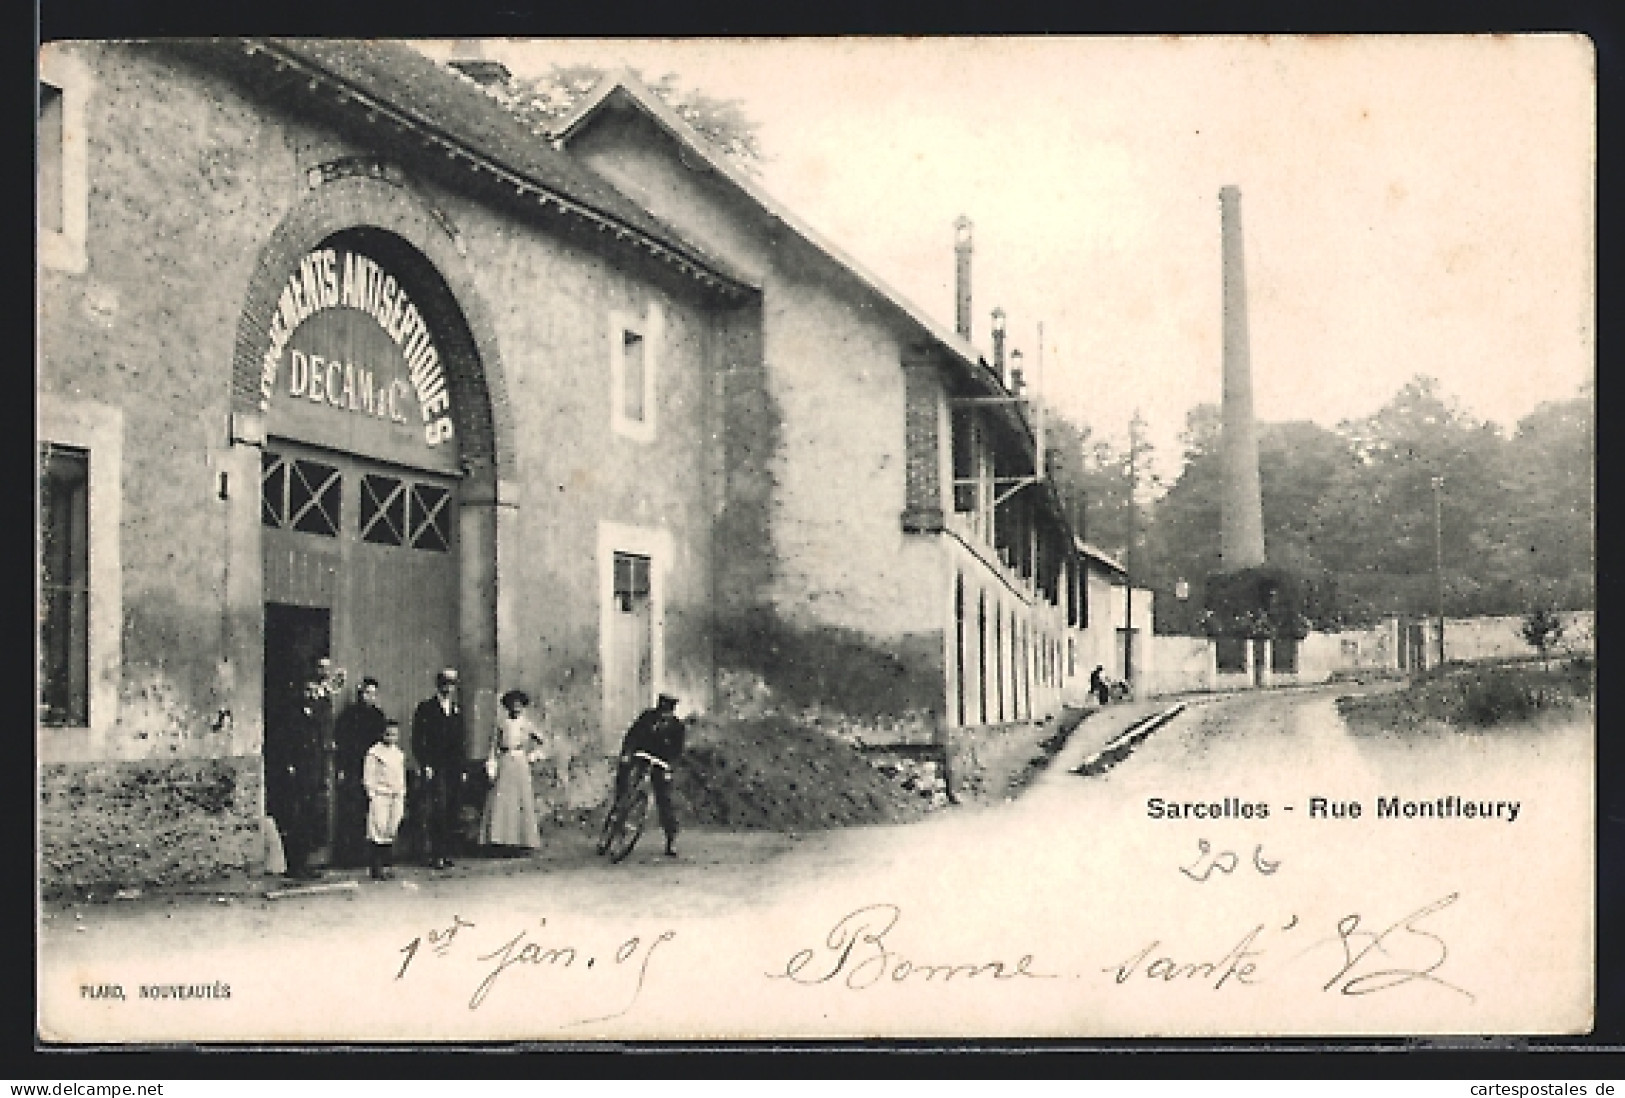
(629, 678)
(373, 546)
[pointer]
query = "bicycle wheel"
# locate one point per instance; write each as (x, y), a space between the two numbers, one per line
(629, 817)
(611, 822)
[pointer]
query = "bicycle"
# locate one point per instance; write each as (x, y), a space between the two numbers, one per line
(623, 825)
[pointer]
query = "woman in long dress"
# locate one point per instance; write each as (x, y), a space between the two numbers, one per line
(510, 808)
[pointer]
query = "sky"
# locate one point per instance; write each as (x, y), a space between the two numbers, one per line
(1410, 205)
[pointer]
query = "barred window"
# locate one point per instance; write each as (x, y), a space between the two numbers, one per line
(428, 518)
(383, 510)
(631, 580)
(64, 610)
(399, 512)
(300, 495)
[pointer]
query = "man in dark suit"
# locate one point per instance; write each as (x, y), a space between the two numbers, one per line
(439, 749)
(294, 770)
(357, 729)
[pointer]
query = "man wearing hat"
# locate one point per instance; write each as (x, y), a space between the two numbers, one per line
(661, 733)
(439, 747)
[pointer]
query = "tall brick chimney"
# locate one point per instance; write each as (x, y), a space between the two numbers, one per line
(1241, 540)
(962, 250)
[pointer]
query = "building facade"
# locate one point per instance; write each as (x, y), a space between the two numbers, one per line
(337, 359)
(892, 550)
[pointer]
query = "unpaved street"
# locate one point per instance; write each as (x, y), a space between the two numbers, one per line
(1080, 909)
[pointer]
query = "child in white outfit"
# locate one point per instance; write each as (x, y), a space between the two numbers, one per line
(383, 775)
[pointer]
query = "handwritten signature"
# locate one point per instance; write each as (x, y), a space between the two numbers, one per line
(1404, 936)
(856, 946)
(1370, 961)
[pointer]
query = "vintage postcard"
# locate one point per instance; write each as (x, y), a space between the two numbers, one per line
(574, 540)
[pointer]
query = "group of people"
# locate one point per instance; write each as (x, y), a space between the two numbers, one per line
(370, 770)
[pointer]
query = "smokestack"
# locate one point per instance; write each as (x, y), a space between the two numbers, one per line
(998, 343)
(962, 250)
(1241, 541)
(1016, 382)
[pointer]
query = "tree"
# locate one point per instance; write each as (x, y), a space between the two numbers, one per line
(546, 100)
(1538, 548)
(1542, 629)
(1297, 461)
(1091, 476)
(1377, 515)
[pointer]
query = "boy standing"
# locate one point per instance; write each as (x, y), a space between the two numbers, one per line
(384, 776)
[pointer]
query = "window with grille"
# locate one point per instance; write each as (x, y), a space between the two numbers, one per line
(64, 609)
(428, 518)
(383, 510)
(301, 495)
(399, 512)
(631, 581)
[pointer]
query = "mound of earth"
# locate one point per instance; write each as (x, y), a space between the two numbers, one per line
(772, 774)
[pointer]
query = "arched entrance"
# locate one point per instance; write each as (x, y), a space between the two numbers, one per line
(378, 474)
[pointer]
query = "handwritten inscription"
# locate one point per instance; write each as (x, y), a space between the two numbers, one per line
(1368, 961)
(1405, 940)
(856, 951)
(1225, 861)
(521, 951)
(439, 940)
(1238, 962)
(518, 951)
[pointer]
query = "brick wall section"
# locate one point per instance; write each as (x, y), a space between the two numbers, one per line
(923, 440)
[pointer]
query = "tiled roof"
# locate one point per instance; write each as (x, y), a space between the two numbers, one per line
(392, 82)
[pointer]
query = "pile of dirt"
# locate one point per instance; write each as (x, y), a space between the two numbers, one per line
(772, 774)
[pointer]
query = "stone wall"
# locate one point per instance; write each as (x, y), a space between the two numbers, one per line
(132, 824)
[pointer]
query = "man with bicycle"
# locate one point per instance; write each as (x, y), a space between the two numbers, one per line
(660, 732)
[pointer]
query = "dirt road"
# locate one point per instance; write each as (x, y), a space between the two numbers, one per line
(1061, 914)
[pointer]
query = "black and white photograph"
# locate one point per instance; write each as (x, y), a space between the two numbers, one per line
(718, 539)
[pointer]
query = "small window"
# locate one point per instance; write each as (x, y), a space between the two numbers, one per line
(632, 376)
(61, 177)
(50, 158)
(634, 354)
(1284, 655)
(631, 581)
(64, 610)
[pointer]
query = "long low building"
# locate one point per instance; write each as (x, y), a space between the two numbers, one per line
(338, 358)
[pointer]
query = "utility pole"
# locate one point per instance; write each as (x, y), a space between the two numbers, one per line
(1438, 558)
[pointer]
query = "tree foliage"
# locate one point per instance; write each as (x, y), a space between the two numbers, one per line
(1352, 512)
